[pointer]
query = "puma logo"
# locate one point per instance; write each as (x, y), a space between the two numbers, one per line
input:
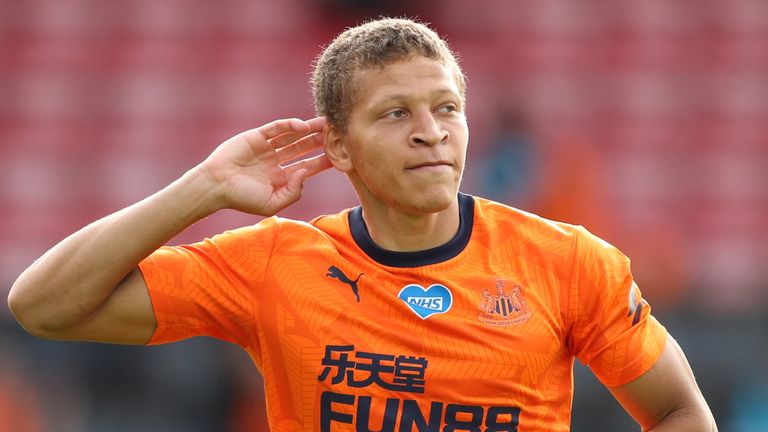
(336, 273)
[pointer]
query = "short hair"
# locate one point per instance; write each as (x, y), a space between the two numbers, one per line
(376, 43)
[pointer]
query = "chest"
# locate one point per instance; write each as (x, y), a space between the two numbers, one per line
(361, 326)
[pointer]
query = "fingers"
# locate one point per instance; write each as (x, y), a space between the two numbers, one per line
(297, 173)
(317, 123)
(296, 183)
(283, 132)
(287, 138)
(278, 127)
(313, 165)
(289, 193)
(300, 147)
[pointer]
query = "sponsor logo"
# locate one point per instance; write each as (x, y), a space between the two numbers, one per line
(336, 273)
(502, 308)
(425, 302)
(342, 364)
(343, 411)
(402, 376)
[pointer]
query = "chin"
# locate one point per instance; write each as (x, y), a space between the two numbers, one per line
(427, 202)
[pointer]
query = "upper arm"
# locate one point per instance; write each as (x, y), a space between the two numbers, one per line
(667, 389)
(125, 317)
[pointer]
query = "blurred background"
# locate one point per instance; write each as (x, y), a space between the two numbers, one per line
(645, 121)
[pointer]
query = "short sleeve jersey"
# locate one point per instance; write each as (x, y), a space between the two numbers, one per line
(478, 334)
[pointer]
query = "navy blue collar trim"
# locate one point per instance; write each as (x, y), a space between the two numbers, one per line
(435, 255)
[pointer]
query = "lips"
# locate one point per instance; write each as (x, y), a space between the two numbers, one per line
(430, 164)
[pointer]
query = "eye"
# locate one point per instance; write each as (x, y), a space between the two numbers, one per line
(396, 113)
(448, 108)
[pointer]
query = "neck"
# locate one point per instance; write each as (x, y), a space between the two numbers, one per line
(398, 231)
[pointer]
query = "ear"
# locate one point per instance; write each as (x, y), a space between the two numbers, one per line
(335, 149)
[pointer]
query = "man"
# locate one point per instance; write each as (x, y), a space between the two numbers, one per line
(421, 309)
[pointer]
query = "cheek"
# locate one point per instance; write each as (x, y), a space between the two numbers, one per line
(462, 132)
(377, 167)
(364, 162)
(370, 158)
(462, 140)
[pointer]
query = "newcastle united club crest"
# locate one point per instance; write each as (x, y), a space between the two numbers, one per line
(505, 307)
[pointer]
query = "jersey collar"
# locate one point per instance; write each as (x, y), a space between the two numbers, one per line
(435, 255)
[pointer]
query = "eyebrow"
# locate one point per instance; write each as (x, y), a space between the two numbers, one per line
(402, 96)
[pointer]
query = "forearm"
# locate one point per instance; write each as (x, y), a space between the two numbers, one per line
(77, 275)
(86, 288)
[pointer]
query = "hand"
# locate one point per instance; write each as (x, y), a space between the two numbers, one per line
(253, 171)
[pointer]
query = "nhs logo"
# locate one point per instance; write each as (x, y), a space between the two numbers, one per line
(426, 302)
(432, 303)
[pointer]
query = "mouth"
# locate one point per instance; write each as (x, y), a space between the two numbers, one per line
(429, 166)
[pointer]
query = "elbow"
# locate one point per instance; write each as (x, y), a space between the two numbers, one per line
(708, 419)
(20, 310)
(702, 419)
(695, 419)
(27, 314)
(16, 303)
(708, 425)
(712, 423)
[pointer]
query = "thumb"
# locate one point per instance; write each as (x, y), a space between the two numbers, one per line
(292, 190)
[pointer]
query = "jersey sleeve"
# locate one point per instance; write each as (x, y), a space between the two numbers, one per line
(613, 331)
(210, 288)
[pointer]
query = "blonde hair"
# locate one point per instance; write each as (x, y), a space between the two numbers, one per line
(373, 44)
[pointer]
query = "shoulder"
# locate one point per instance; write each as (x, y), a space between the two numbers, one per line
(528, 227)
(278, 235)
(332, 222)
(279, 226)
(321, 229)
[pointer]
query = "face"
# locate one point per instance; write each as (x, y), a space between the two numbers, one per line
(407, 137)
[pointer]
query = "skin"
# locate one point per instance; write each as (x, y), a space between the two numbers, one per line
(667, 398)
(404, 154)
(73, 293)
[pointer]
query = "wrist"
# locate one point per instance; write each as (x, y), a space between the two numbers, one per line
(200, 194)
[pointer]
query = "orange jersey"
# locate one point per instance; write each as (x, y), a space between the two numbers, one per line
(479, 334)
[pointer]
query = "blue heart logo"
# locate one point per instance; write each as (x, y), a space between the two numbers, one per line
(426, 302)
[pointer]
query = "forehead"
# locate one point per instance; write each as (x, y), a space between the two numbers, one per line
(410, 77)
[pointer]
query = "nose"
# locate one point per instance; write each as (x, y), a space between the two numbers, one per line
(427, 130)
